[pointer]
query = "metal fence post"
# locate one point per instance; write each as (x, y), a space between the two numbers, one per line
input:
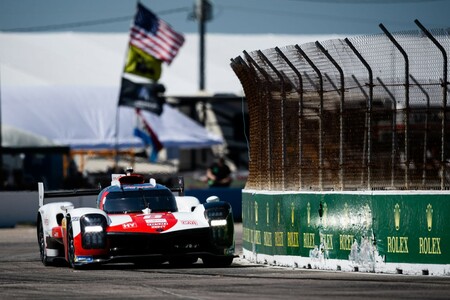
(369, 113)
(267, 128)
(407, 108)
(319, 74)
(341, 112)
(425, 136)
(444, 99)
(283, 98)
(393, 131)
(300, 112)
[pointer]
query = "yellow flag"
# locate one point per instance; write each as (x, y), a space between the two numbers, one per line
(142, 64)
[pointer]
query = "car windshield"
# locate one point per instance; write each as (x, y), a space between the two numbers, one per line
(137, 200)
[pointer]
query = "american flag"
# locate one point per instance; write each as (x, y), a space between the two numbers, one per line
(154, 36)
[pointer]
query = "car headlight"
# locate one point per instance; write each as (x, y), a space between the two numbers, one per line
(222, 222)
(93, 229)
(220, 218)
(216, 213)
(89, 229)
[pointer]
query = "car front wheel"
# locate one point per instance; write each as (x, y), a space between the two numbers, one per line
(70, 247)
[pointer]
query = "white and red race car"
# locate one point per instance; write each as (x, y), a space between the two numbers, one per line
(135, 221)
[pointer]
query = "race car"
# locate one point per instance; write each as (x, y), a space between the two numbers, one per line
(135, 221)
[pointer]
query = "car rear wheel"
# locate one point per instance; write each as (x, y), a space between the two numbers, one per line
(41, 241)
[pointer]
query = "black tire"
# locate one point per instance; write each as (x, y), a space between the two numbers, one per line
(218, 262)
(41, 241)
(70, 246)
(182, 261)
(148, 263)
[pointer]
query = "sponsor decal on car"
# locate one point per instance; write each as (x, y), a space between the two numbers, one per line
(153, 216)
(56, 232)
(84, 259)
(130, 187)
(156, 223)
(189, 222)
(129, 225)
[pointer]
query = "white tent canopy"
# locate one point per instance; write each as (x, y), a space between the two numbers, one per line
(65, 86)
(17, 138)
(85, 118)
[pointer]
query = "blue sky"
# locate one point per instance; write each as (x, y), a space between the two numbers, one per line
(229, 16)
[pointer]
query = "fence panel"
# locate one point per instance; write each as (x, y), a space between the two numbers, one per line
(368, 112)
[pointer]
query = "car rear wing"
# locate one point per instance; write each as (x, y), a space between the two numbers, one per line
(130, 178)
(64, 193)
(90, 192)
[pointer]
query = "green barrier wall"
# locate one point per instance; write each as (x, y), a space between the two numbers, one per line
(409, 227)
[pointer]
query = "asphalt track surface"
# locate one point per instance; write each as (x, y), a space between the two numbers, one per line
(22, 276)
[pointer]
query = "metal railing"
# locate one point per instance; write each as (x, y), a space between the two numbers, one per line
(367, 112)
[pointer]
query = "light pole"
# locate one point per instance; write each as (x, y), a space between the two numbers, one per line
(202, 13)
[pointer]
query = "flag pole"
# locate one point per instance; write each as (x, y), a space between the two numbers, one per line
(1, 137)
(148, 66)
(116, 145)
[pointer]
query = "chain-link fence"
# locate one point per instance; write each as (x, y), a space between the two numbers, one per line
(366, 112)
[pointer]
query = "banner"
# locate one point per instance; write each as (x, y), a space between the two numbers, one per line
(147, 96)
(142, 64)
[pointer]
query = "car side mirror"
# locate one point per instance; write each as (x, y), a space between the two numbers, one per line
(212, 199)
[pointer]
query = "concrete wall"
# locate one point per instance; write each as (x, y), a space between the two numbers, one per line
(22, 207)
(397, 232)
